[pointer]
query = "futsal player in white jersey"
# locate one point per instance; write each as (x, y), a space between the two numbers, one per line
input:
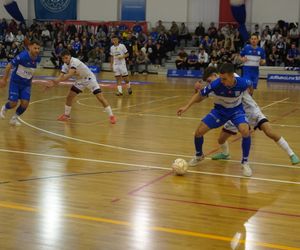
(119, 54)
(85, 79)
(256, 120)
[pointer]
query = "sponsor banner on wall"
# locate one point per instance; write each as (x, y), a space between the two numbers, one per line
(283, 78)
(184, 73)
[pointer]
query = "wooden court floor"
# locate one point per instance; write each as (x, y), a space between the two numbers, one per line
(87, 184)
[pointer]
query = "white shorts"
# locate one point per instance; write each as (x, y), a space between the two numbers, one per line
(90, 83)
(255, 120)
(120, 70)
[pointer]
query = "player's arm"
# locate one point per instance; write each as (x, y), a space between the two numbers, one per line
(197, 97)
(4, 80)
(64, 76)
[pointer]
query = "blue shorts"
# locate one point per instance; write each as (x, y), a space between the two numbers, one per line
(252, 75)
(217, 118)
(19, 91)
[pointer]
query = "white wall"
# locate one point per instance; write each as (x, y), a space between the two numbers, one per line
(166, 10)
(97, 10)
(23, 5)
(270, 11)
(205, 11)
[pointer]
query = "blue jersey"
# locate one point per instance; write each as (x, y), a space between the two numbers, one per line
(228, 102)
(254, 55)
(227, 98)
(24, 67)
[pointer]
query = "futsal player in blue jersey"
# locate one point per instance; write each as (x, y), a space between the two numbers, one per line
(252, 56)
(227, 92)
(23, 65)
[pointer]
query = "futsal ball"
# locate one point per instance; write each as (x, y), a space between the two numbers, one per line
(180, 166)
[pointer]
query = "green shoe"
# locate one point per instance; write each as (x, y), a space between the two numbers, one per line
(294, 159)
(220, 156)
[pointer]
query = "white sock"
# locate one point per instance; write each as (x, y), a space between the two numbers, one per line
(225, 148)
(108, 111)
(120, 89)
(285, 146)
(67, 110)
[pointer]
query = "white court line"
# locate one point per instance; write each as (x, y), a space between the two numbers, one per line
(285, 125)
(146, 166)
(130, 106)
(276, 102)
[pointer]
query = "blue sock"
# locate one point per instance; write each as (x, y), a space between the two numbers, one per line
(20, 110)
(246, 144)
(198, 145)
(7, 105)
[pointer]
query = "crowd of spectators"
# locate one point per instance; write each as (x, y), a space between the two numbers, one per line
(212, 46)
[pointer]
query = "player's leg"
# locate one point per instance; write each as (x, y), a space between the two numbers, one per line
(128, 85)
(118, 76)
(74, 91)
(19, 111)
(267, 129)
(94, 87)
(13, 97)
(210, 121)
(222, 140)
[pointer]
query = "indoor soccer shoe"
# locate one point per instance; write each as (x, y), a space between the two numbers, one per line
(247, 171)
(129, 90)
(2, 112)
(195, 160)
(112, 119)
(220, 156)
(294, 159)
(14, 121)
(63, 118)
(119, 94)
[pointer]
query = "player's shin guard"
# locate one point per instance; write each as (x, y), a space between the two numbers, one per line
(20, 110)
(246, 144)
(198, 145)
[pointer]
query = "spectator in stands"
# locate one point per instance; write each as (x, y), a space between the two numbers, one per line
(12, 52)
(198, 34)
(137, 28)
(203, 59)
(150, 50)
(72, 51)
(56, 57)
(220, 38)
(2, 52)
(101, 37)
(192, 60)
(76, 46)
(160, 27)
(13, 26)
(206, 43)
(19, 38)
(274, 58)
(141, 60)
(154, 34)
(96, 56)
(281, 46)
(293, 56)
(46, 36)
(160, 53)
(3, 27)
(276, 36)
(237, 41)
(183, 34)
(181, 59)
(294, 35)
(9, 38)
(212, 30)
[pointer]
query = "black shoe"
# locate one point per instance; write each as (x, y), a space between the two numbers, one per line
(129, 90)
(119, 94)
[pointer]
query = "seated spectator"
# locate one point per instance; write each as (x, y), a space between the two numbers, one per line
(160, 53)
(19, 38)
(141, 60)
(203, 59)
(192, 60)
(274, 58)
(293, 56)
(160, 27)
(2, 52)
(96, 56)
(183, 34)
(150, 50)
(56, 58)
(9, 38)
(294, 35)
(76, 46)
(46, 36)
(212, 30)
(181, 59)
(198, 34)
(137, 28)
(12, 52)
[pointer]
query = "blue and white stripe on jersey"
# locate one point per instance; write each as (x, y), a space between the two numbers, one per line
(254, 55)
(225, 97)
